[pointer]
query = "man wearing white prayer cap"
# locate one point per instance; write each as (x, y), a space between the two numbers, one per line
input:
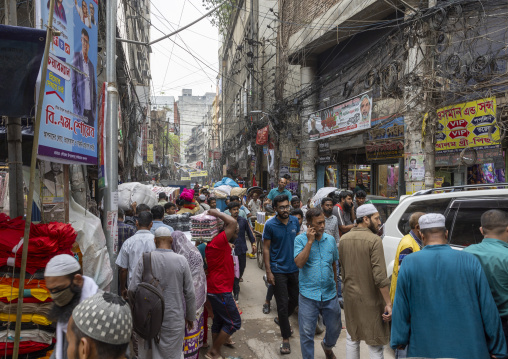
(68, 287)
(366, 287)
(445, 289)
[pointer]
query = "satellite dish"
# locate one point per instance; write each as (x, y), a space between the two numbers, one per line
(468, 156)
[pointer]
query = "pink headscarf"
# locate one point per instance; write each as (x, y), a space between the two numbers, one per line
(187, 195)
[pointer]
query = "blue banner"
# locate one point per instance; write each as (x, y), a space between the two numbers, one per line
(68, 131)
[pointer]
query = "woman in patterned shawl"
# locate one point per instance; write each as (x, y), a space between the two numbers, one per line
(193, 338)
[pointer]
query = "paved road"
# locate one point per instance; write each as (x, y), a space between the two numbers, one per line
(259, 336)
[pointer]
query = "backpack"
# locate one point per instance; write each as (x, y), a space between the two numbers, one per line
(148, 304)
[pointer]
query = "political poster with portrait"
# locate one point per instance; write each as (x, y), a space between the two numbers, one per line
(346, 117)
(414, 167)
(68, 132)
(52, 191)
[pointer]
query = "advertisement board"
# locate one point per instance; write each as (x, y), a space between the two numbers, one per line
(467, 125)
(414, 167)
(346, 117)
(149, 153)
(199, 174)
(68, 132)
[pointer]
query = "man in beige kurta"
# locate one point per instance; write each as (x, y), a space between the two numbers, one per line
(366, 288)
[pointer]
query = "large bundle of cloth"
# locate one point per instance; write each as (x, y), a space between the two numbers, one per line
(204, 227)
(45, 241)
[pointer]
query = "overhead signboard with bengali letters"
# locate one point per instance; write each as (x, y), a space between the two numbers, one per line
(68, 131)
(346, 117)
(467, 125)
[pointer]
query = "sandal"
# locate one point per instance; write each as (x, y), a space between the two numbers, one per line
(230, 344)
(266, 308)
(285, 348)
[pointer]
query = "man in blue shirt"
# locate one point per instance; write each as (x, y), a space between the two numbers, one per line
(492, 253)
(279, 190)
(241, 244)
(281, 271)
(316, 255)
(158, 216)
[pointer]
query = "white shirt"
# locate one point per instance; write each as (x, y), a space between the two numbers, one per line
(133, 249)
(87, 103)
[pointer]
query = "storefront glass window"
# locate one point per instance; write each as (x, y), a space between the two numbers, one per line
(388, 184)
(359, 178)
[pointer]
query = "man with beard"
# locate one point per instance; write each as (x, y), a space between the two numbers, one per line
(220, 280)
(68, 287)
(367, 303)
(343, 211)
(281, 271)
(332, 228)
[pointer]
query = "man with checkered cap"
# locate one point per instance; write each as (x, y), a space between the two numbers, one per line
(100, 327)
(443, 305)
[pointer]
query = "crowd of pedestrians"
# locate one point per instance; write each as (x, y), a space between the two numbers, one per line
(439, 302)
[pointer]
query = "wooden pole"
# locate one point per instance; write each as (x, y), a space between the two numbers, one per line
(28, 220)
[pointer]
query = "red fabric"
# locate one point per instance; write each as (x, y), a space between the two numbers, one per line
(254, 182)
(25, 347)
(25, 300)
(46, 241)
(262, 136)
(221, 271)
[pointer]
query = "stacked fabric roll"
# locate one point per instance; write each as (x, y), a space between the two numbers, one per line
(46, 241)
(204, 227)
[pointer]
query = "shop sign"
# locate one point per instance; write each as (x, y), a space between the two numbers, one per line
(386, 129)
(384, 150)
(184, 178)
(149, 153)
(262, 136)
(346, 117)
(491, 154)
(323, 148)
(466, 125)
(294, 166)
(68, 129)
(199, 174)
(324, 159)
(216, 155)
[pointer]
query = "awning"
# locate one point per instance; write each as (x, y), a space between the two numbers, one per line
(22, 49)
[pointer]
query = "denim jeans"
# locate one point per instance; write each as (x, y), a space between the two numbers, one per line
(308, 311)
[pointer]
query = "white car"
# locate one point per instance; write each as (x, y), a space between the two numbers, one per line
(462, 206)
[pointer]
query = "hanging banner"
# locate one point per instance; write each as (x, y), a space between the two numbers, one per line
(149, 153)
(103, 107)
(262, 136)
(199, 174)
(68, 132)
(350, 116)
(467, 125)
(294, 166)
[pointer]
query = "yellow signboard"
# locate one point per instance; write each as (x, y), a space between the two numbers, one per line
(199, 174)
(149, 153)
(467, 125)
(185, 178)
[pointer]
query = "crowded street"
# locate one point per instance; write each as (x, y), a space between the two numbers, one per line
(253, 179)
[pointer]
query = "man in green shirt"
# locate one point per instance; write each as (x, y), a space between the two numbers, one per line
(278, 191)
(492, 253)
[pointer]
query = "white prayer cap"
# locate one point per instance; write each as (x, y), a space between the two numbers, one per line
(60, 265)
(365, 210)
(432, 220)
(162, 232)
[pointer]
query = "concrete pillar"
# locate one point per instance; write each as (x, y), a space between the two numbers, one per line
(308, 149)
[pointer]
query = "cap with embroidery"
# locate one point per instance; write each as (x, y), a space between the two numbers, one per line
(60, 265)
(105, 317)
(432, 220)
(365, 210)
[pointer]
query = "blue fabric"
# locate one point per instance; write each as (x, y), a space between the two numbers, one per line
(225, 313)
(443, 307)
(282, 244)
(226, 181)
(157, 224)
(275, 192)
(308, 311)
(243, 233)
(316, 277)
(493, 256)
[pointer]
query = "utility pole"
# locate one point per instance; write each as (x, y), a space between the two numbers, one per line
(110, 199)
(16, 203)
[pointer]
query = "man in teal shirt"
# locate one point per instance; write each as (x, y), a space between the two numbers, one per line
(316, 255)
(279, 190)
(493, 256)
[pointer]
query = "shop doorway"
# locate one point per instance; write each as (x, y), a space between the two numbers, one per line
(359, 178)
(387, 180)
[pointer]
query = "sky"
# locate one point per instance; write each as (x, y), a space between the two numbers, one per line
(173, 67)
